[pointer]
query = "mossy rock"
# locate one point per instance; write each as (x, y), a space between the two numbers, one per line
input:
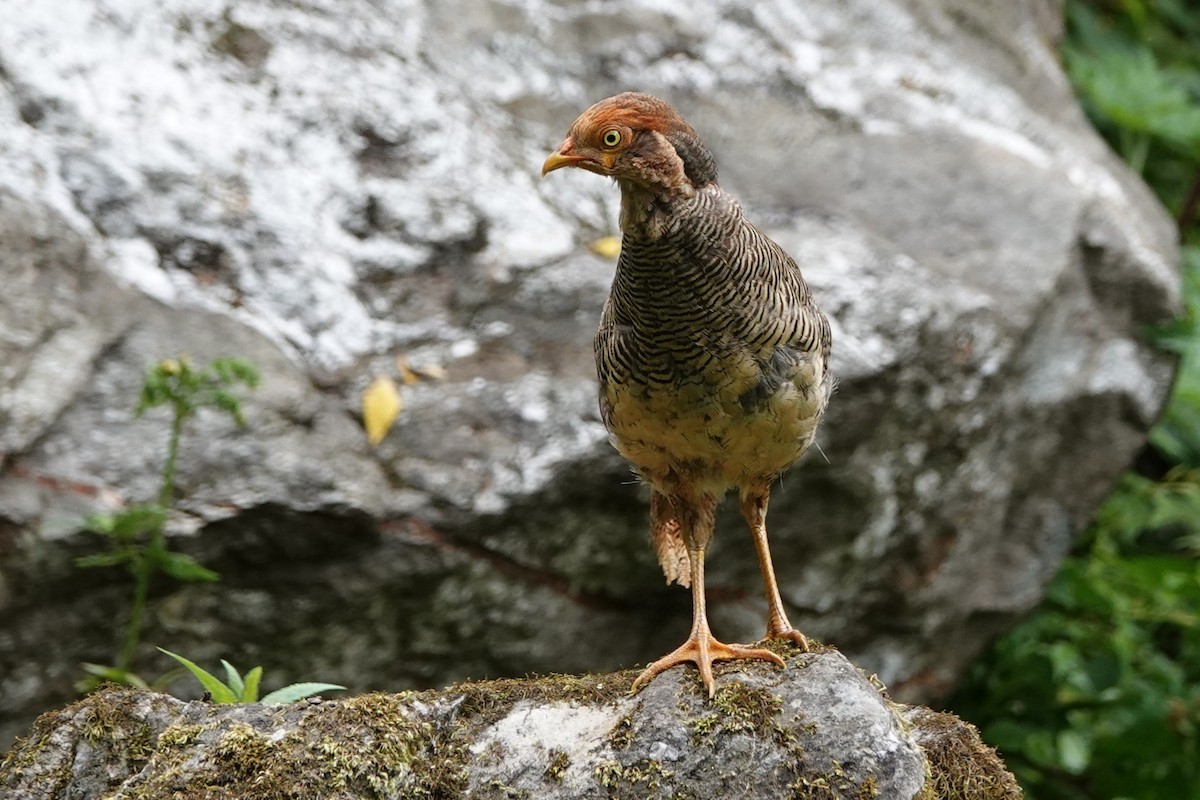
(817, 730)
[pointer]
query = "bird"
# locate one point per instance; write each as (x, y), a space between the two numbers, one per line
(712, 356)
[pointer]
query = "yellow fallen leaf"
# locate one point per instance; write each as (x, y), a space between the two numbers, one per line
(434, 372)
(607, 246)
(380, 406)
(407, 373)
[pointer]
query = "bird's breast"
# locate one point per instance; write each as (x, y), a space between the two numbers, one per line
(718, 417)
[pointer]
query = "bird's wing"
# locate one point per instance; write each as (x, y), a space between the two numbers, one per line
(787, 315)
(753, 288)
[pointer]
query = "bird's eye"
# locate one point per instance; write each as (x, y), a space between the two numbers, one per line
(611, 138)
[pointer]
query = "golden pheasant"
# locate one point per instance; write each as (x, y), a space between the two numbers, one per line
(712, 357)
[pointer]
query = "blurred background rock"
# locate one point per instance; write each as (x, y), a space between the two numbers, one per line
(324, 188)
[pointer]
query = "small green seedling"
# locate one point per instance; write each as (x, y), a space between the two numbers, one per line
(238, 689)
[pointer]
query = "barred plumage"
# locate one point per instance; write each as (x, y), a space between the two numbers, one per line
(712, 357)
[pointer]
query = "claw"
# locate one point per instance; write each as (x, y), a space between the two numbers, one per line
(791, 634)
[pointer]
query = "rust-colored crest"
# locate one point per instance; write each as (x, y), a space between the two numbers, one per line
(632, 110)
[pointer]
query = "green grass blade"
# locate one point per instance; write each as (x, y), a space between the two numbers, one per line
(115, 675)
(219, 692)
(233, 680)
(299, 691)
(250, 692)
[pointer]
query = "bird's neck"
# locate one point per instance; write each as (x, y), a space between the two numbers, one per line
(646, 210)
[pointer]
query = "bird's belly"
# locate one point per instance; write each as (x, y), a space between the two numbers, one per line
(715, 431)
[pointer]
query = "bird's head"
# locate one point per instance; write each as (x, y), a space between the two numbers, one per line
(639, 139)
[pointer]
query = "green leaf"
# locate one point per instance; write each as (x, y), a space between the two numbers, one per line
(100, 523)
(224, 401)
(104, 559)
(1074, 751)
(137, 520)
(1041, 748)
(236, 370)
(299, 691)
(1008, 734)
(183, 567)
(250, 692)
(233, 680)
(219, 692)
(164, 680)
(1128, 88)
(155, 392)
(115, 674)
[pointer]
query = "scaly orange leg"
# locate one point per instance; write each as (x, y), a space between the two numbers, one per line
(754, 509)
(701, 648)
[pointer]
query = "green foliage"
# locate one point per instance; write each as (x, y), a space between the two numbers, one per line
(238, 689)
(1136, 66)
(177, 383)
(1144, 102)
(135, 534)
(1177, 434)
(134, 537)
(1097, 695)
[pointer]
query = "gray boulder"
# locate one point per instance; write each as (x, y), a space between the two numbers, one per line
(817, 730)
(322, 188)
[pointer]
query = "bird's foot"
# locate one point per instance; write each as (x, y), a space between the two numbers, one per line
(775, 631)
(702, 650)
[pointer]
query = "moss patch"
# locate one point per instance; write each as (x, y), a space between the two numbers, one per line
(787, 649)
(369, 746)
(739, 708)
(28, 759)
(116, 725)
(486, 702)
(499, 789)
(645, 778)
(752, 709)
(557, 768)
(113, 739)
(961, 766)
(832, 784)
(622, 733)
(181, 735)
(373, 746)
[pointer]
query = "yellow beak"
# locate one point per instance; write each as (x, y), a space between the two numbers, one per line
(558, 160)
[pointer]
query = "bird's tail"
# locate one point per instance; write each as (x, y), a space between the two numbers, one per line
(668, 540)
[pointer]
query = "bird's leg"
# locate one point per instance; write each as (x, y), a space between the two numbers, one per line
(754, 509)
(701, 648)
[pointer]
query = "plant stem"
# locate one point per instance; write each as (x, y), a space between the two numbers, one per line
(167, 490)
(141, 567)
(144, 565)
